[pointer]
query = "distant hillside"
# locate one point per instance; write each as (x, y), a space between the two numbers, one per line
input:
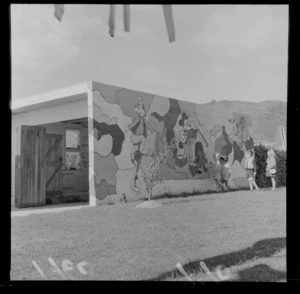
(266, 116)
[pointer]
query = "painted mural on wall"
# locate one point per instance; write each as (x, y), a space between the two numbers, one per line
(146, 176)
(129, 128)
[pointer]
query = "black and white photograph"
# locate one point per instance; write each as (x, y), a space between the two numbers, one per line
(149, 142)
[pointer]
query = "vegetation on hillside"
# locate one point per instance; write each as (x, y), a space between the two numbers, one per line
(266, 116)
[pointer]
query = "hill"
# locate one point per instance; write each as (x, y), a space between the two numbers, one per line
(267, 117)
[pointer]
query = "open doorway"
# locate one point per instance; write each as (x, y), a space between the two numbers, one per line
(54, 164)
(67, 162)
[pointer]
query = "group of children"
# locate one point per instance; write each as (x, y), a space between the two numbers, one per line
(222, 170)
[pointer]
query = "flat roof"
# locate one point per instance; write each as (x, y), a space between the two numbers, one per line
(63, 95)
(58, 96)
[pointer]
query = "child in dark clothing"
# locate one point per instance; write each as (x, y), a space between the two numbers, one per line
(225, 171)
(217, 171)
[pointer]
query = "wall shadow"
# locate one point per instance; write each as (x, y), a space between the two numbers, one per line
(260, 273)
(260, 249)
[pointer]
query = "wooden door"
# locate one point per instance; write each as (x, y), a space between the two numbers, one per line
(30, 182)
(54, 163)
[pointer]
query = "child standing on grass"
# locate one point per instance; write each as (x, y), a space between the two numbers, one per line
(217, 171)
(250, 167)
(271, 168)
(225, 171)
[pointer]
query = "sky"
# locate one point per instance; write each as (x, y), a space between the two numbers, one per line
(222, 52)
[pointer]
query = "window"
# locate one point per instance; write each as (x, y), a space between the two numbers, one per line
(72, 149)
(72, 139)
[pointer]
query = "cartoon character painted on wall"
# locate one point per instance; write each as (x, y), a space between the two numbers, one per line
(181, 136)
(136, 157)
(223, 144)
(227, 148)
(189, 144)
(199, 165)
(181, 139)
(139, 126)
(240, 129)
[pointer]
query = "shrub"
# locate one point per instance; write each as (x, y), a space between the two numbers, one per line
(261, 156)
(281, 167)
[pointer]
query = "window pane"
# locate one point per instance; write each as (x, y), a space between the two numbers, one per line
(72, 139)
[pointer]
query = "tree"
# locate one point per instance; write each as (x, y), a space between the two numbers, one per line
(149, 165)
(241, 127)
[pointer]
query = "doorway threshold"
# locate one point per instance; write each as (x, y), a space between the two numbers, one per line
(50, 206)
(47, 209)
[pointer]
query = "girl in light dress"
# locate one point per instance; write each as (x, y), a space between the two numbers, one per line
(250, 167)
(271, 168)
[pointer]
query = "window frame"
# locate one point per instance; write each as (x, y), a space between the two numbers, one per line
(77, 150)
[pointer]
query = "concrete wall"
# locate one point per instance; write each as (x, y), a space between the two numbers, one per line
(126, 124)
(45, 115)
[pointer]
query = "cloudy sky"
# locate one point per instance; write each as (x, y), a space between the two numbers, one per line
(232, 52)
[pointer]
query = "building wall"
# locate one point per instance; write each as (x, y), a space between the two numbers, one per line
(40, 116)
(15, 143)
(127, 124)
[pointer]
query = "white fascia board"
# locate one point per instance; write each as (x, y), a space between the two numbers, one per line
(62, 95)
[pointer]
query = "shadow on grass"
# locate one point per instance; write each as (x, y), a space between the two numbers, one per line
(260, 273)
(260, 249)
(188, 197)
(189, 194)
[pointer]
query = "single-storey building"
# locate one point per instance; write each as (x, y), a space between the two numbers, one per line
(88, 141)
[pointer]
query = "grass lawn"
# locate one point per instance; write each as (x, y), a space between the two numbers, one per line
(122, 242)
